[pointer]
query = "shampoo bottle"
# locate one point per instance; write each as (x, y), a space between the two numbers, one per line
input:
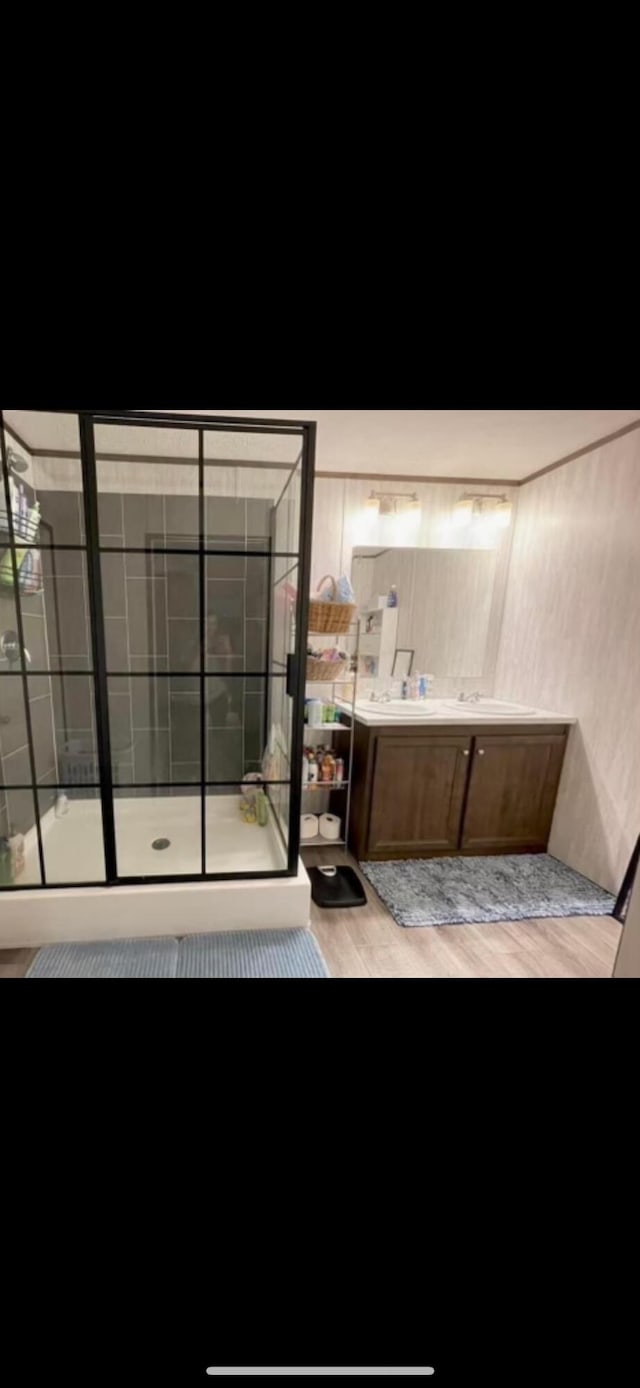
(6, 863)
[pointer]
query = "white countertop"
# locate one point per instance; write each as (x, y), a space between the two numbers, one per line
(434, 713)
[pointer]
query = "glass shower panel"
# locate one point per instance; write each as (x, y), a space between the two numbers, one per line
(235, 845)
(245, 474)
(237, 730)
(148, 488)
(148, 505)
(283, 634)
(279, 798)
(246, 478)
(74, 850)
(158, 833)
(149, 511)
(237, 613)
(55, 757)
(287, 523)
(186, 551)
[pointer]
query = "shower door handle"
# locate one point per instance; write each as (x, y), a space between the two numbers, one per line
(292, 675)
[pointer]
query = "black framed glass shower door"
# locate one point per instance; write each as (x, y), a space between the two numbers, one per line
(193, 553)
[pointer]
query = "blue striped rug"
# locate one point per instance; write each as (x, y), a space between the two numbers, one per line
(232, 954)
(251, 954)
(108, 959)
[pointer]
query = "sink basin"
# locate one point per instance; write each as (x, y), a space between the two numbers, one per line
(397, 708)
(489, 707)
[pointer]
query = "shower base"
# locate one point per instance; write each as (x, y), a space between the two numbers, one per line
(73, 852)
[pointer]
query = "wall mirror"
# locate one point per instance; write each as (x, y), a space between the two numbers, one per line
(445, 598)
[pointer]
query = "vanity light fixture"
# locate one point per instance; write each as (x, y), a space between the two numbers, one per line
(503, 513)
(474, 505)
(463, 512)
(393, 503)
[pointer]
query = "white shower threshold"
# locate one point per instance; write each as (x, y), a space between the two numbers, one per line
(73, 853)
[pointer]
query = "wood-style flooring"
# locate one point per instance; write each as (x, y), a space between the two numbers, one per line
(367, 943)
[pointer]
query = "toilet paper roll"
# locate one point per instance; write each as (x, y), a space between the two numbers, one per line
(330, 826)
(309, 828)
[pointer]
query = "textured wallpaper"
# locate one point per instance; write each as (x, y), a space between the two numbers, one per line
(571, 643)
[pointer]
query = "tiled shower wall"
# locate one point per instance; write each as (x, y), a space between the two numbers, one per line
(151, 607)
(16, 806)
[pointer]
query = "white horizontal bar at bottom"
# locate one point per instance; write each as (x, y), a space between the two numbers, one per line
(273, 1373)
(319, 842)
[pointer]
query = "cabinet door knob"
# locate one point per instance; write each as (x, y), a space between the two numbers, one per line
(465, 754)
(481, 751)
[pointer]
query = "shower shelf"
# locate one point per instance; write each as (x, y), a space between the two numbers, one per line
(25, 585)
(313, 687)
(28, 534)
(327, 728)
(324, 785)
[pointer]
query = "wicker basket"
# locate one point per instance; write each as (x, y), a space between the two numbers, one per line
(325, 671)
(330, 617)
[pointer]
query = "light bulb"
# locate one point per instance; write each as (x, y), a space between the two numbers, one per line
(503, 513)
(463, 512)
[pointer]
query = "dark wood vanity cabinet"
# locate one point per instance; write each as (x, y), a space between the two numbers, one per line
(420, 792)
(425, 817)
(512, 792)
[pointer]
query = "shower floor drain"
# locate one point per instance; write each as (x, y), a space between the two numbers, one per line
(161, 843)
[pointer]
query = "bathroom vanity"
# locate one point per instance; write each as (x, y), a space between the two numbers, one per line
(444, 778)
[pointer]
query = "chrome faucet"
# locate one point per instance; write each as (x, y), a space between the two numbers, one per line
(470, 698)
(383, 698)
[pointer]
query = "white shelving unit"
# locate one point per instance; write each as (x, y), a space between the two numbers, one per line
(378, 642)
(339, 738)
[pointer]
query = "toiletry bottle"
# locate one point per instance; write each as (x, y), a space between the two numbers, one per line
(262, 809)
(405, 689)
(339, 776)
(17, 846)
(25, 575)
(422, 687)
(37, 571)
(313, 770)
(392, 600)
(315, 713)
(328, 767)
(305, 769)
(33, 521)
(6, 863)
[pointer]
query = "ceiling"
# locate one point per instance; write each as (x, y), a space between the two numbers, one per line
(505, 445)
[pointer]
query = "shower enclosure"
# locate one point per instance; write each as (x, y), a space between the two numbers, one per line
(154, 578)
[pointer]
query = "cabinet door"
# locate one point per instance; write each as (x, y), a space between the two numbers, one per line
(512, 792)
(417, 794)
